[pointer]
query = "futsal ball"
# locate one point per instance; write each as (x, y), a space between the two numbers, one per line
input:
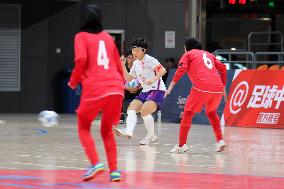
(133, 83)
(48, 118)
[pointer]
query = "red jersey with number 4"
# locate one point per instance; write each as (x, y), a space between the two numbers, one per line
(97, 66)
(202, 68)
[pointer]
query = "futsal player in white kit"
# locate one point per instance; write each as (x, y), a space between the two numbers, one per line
(148, 71)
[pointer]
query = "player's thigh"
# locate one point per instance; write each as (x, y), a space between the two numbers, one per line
(111, 110)
(89, 110)
(135, 105)
(195, 101)
(148, 107)
(212, 102)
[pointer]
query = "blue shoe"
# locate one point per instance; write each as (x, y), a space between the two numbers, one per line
(115, 176)
(94, 171)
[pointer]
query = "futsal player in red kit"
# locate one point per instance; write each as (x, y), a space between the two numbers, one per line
(208, 77)
(98, 69)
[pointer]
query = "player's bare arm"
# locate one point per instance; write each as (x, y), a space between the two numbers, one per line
(170, 88)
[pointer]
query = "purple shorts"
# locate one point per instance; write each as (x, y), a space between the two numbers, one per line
(156, 96)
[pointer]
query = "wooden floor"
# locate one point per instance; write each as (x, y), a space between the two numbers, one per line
(33, 156)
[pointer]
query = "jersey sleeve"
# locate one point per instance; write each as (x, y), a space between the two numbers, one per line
(156, 65)
(80, 60)
(221, 68)
(182, 68)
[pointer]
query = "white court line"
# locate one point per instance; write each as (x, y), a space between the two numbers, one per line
(24, 155)
(44, 165)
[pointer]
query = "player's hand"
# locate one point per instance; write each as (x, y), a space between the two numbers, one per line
(72, 87)
(122, 59)
(170, 88)
(167, 92)
(150, 81)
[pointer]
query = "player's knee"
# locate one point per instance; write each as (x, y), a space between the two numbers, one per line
(212, 114)
(188, 114)
(187, 118)
(84, 124)
(144, 114)
(106, 129)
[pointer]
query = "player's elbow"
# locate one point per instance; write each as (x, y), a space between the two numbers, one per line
(80, 58)
(163, 71)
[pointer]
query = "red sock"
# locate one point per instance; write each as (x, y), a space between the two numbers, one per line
(215, 122)
(185, 125)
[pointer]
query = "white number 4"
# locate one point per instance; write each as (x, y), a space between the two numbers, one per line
(207, 61)
(102, 55)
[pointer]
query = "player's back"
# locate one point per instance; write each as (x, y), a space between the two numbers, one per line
(202, 71)
(103, 73)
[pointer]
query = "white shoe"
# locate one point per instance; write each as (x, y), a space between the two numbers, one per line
(122, 132)
(220, 146)
(179, 150)
(147, 140)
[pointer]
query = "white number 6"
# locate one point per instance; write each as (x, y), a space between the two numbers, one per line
(207, 61)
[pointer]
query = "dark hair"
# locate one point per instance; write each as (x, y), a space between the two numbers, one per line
(92, 19)
(129, 52)
(139, 42)
(192, 43)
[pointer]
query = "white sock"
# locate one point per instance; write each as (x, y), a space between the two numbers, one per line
(131, 121)
(149, 124)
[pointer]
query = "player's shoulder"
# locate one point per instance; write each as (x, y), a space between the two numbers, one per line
(106, 34)
(135, 63)
(184, 56)
(149, 59)
(80, 34)
(210, 55)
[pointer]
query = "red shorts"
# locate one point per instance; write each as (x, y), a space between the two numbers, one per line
(109, 105)
(197, 99)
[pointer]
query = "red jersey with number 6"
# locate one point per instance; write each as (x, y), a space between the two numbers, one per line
(202, 68)
(97, 66)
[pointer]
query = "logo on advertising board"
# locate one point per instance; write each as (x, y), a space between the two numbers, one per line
(255, 99)
(181, 103)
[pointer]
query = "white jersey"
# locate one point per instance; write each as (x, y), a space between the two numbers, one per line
(146, 69)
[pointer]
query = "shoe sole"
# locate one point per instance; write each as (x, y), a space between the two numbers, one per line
(116, 180)
(118, 133)
(149, 142)
(94, 175)
(221, 148)
(179, 152)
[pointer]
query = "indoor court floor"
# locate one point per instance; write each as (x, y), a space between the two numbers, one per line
(33, 156)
